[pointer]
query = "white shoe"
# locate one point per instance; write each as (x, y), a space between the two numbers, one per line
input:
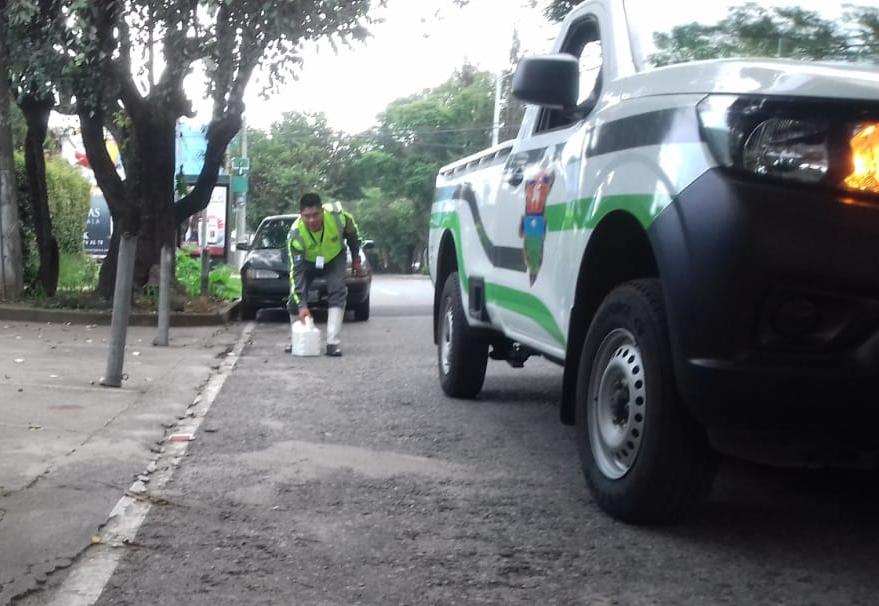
(335, 315)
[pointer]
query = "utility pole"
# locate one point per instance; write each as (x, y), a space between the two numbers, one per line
(496, 124)
(241, 229)
(10, 238)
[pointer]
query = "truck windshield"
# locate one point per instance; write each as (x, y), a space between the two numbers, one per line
(664, 33)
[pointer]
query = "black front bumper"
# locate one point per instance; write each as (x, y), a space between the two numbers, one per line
(773, 301)
(275, 292)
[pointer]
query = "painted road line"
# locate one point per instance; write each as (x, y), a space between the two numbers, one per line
(93, 571)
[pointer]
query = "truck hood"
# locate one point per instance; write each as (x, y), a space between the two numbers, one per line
(762, 76)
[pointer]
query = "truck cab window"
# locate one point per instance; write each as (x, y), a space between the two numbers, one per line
(584, 43)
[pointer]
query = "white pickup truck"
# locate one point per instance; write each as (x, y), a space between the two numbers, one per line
(697, 245)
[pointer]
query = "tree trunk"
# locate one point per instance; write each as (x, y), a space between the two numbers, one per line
(10, 238)
(36, 113)
(149, 187)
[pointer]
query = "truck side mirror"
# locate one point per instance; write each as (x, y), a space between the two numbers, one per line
(368, 245)
(242, 246)
(548, 80)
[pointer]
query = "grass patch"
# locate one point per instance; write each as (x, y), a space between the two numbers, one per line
(77, 273)
(78, 279)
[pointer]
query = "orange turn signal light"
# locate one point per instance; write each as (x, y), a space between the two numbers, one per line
(865, 159)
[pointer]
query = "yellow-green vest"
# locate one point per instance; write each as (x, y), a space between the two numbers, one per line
(327, 243)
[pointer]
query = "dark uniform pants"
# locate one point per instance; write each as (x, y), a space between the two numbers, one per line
(334, 275)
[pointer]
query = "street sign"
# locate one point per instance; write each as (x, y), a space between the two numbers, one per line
(241, 166)
(239, 184)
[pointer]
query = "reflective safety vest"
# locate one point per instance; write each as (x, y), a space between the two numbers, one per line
(327, 243)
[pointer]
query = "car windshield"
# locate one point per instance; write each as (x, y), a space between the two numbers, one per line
(664, 33)
(272, 233)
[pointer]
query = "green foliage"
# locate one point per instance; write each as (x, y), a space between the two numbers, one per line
(751, 30)
(29, 254)
(18, 126)
(78, 272)
(189, 272)
(68, 206)
(557, 10)
(396, 226)
(386, 177)
(69, 202)
(300, 153)
(223, 283)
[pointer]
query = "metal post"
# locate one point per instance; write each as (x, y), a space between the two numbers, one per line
(121, 310)
(205, 254)
(496, 124)
(165, 265)
(241, 229)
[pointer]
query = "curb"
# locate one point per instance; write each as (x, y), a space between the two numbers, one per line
(23, 313)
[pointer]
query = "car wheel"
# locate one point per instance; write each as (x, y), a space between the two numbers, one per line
(645, 458)
(462, 354)
(247, 311)
(361, 312)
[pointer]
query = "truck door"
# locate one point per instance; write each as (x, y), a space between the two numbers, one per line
(542, 174)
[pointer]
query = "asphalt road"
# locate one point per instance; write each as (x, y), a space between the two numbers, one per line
(355, 481)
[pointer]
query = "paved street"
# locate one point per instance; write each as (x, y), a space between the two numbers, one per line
(355, 481)
(70, 447)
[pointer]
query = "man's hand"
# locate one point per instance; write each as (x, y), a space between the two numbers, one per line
(356, 266)
(304, 313)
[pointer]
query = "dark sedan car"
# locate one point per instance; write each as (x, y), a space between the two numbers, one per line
(265, 275)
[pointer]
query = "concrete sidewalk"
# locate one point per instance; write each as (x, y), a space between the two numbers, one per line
(70, 448)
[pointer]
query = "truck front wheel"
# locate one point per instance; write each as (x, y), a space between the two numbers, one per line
(462, 354)
(645, 458)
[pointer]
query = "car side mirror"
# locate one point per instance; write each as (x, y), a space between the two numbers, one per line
(242, 246)
(548, 81)
(367, 245)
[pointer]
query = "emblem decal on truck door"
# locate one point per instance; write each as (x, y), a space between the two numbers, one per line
(532, 229)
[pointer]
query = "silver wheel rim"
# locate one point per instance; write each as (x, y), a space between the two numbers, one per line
(446, 341)
(617, 404)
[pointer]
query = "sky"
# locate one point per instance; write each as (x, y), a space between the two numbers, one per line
(419, 45)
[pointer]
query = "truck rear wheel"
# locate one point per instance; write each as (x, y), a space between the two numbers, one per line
(462, 355)
(645, 458)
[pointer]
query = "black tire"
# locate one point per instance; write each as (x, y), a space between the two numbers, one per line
(361, 312)
(463, 371)
(638, 427)
(246, 311)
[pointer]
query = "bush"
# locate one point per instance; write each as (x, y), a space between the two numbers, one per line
(189, 273)
(222, 282)
(69, 202)
(78, 272)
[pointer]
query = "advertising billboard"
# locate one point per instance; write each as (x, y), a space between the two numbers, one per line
(215, 215)
(98, 227)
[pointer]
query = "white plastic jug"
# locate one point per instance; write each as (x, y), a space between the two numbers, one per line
(305, 338)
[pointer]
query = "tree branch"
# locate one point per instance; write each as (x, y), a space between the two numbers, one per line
(121, 71)
(219, 135)
(92, 124)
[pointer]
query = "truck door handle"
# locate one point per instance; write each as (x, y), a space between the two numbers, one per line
(517, 176)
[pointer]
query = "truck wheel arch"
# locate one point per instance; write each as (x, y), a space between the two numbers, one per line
(619, 250)
(446, 263)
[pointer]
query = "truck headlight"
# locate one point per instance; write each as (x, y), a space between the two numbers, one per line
(780, 147)
(815, 142)
(261, 274)
(865, 158)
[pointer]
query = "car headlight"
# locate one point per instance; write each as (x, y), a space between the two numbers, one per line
(815, 142)
(261, 274)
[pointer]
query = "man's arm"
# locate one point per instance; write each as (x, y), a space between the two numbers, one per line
(298, 284)
(352, 237)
